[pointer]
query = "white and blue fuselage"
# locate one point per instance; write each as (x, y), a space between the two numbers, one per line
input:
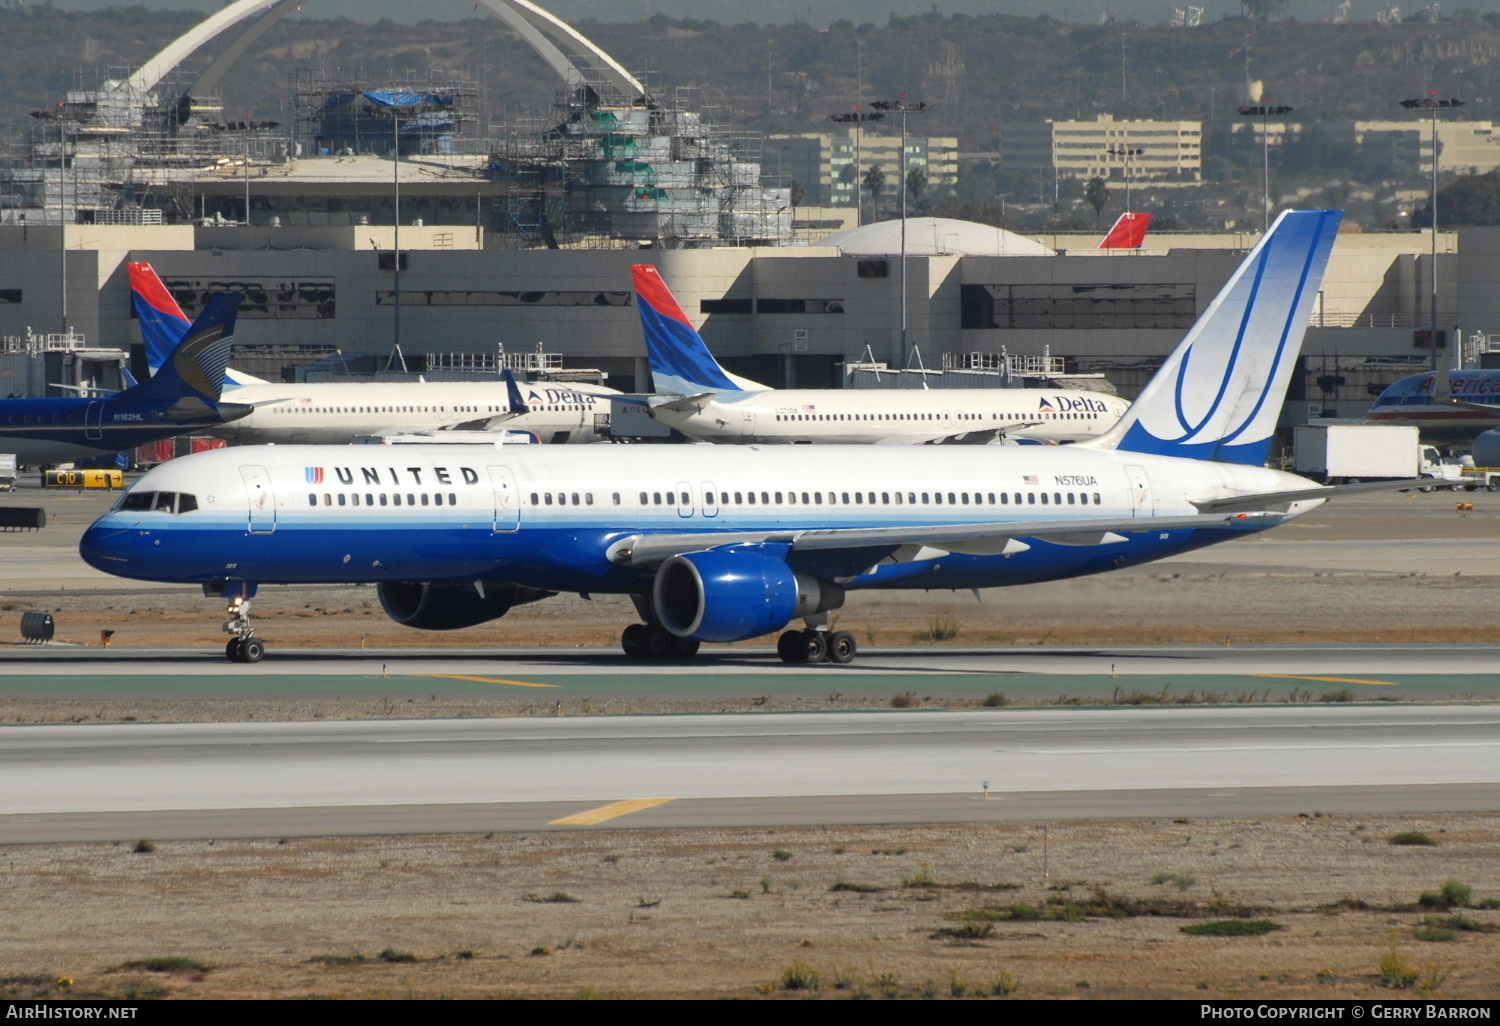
(548, 517)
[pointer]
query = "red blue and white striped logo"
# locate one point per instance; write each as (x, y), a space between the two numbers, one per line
(314, 475)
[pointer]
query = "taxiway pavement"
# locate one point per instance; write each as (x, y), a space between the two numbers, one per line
(277, 779)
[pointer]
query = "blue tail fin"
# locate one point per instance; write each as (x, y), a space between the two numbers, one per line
(680, 362)
(1219, 395)
(195, 368)
(513, 395)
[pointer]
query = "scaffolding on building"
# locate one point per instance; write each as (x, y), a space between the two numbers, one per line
(657, 170)
(117, 155)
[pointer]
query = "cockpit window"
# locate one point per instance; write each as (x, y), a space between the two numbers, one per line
(160, 502)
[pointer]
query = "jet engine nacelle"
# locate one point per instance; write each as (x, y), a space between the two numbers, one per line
(731, 594)
(1487, 449)
(447, 607)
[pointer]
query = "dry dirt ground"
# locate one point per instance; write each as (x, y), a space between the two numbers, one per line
(873, 912)
(1082, 910)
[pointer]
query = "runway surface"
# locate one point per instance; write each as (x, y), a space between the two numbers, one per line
(280, 779)
(1369, 672)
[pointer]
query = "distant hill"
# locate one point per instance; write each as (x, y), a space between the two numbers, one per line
(978, 70)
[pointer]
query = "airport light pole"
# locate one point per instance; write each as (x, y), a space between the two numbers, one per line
(1430, 102)
(903, 106)
(1266, 111)
(857, 117)
(378, 109)
(1125, 153)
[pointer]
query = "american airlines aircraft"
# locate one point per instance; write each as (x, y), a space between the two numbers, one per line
(335, 412)
(724, 544)
(1449, 406)
(720, 407)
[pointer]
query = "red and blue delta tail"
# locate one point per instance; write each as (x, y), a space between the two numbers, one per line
(163, 323)
(680, 362)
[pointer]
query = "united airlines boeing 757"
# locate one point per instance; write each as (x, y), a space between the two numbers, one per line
(722, 545)
(717, 406)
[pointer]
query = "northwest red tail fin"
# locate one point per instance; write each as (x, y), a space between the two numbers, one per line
(1129, 232)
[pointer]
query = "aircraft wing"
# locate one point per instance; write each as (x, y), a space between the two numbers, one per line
(1279, 502)
(87, 391)
(911, 543)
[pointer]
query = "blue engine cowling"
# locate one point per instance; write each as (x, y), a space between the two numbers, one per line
(734, 593)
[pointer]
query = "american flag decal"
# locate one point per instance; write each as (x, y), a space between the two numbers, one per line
(314, 475)
(809, 409)
(1030, 479)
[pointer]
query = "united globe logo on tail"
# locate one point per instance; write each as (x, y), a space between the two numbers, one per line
(1219, 395)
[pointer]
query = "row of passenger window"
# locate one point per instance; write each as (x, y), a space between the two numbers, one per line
(379, 498)
(768, 498)
(927, 416)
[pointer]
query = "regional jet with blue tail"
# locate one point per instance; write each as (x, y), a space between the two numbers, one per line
(717, 406)
(334, 412)
(184, 396)
(724, 544)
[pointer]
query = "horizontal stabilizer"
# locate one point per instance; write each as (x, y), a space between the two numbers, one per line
(1278, 501)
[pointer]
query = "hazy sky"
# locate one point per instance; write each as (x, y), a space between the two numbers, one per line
(816, 12)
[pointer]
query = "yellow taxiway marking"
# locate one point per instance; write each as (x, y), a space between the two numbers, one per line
(489, 680)
(1329, 680)
(614, 810)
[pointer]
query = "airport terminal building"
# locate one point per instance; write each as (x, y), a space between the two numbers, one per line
(784, 315)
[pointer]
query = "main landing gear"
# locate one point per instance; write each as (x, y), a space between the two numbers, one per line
(244, 647)
(653, 641)
(816, 646)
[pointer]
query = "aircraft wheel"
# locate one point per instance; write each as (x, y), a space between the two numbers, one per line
(251, 650)
(684, 648)
(790, 648)
(633, 640)
(232, 650)
(658, 641)
(815, 644)
(842, 647)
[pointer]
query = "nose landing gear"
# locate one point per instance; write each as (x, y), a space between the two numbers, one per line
(244, 646)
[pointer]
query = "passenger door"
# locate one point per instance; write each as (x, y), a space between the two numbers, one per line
(507, 500)
(1142, 503)
(710, 499)
(261, 500)
(93, 422)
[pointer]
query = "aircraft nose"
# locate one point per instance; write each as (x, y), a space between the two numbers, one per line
(105, 548)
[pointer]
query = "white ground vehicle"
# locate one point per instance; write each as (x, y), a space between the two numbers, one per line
(9, 471)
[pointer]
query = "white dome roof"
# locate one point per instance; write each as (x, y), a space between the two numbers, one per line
(926, 236)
